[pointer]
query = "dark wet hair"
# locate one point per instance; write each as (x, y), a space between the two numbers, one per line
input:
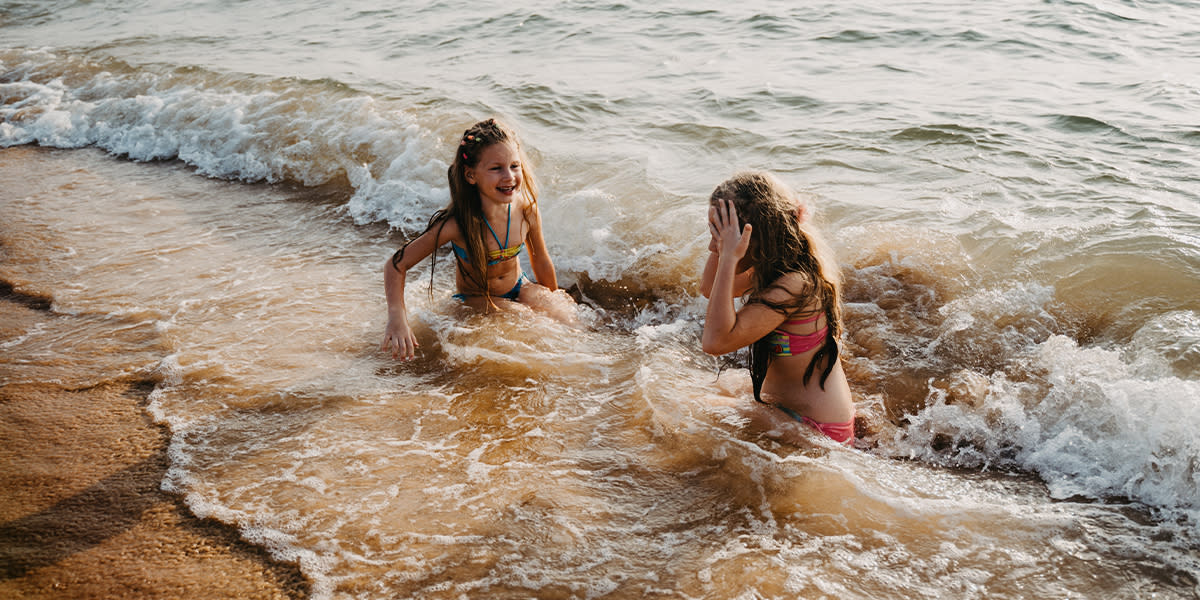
(780, 244)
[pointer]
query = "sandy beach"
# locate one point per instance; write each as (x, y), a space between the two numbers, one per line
(81, 512)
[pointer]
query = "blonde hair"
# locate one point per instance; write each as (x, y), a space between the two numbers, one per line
(466, 207)
(780, 245)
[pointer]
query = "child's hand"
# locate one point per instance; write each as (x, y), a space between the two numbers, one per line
(723, 224)
(399, 340)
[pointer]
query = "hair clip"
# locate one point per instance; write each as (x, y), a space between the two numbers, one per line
(465, 156)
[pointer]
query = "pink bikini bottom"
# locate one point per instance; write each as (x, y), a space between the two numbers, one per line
(838, 432)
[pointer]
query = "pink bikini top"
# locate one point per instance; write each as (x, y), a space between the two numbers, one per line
(786, 343)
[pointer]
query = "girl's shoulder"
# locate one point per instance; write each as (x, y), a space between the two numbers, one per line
(788, 288)
(447, 229)
(794, 283)
(528, 208)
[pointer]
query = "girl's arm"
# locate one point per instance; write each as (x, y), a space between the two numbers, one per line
(539, 258)
(726, 329)
(398, 338)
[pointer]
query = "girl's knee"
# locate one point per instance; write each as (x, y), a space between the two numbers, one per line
(557, 304)
(532, 293)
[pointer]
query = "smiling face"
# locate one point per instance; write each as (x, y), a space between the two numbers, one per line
(498, 174)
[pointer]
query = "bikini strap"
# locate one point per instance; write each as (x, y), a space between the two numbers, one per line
(507, 228)
(812, 319)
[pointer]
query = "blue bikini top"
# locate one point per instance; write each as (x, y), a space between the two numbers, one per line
(494, 256)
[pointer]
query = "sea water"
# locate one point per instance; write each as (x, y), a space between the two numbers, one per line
(210, 190)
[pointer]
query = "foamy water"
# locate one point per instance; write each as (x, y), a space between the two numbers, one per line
(1012, 192)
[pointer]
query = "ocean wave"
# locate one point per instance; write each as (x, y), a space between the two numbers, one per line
(315, 133)
(229, 126)
(1090, 426)
(992, 373)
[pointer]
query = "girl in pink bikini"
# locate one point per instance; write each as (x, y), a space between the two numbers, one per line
(764, 251)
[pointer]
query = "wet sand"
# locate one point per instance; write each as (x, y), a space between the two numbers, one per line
(81, 512)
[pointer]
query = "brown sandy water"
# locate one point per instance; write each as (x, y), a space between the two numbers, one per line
(516, 458)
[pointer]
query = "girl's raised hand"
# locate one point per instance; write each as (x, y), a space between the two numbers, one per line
(723, 224)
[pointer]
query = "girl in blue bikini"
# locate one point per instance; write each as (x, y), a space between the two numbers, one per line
(492, 217)
(763, 250)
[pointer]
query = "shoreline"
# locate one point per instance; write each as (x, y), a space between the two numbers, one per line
(82, 514)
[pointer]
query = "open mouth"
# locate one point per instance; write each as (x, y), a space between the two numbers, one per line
(506, 189)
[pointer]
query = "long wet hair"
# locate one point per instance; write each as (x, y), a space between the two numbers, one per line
(466, 207)
(779, 245)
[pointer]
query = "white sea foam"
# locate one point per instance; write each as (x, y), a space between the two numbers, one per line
(1097, 429)
(261, 130)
